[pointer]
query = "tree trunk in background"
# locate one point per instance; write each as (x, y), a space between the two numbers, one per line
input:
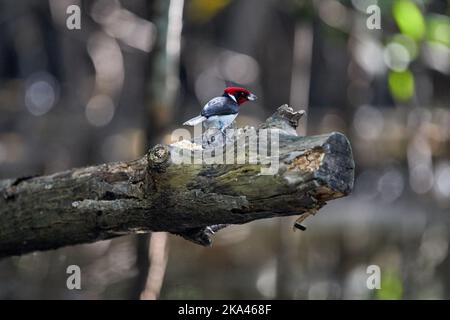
(301, 67)
(163, 82)
(163, 86)
(273, 51)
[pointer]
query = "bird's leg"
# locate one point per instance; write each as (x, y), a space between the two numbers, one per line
(201, 235)
(224, 135)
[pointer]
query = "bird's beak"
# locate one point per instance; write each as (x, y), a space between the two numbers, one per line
(252, 97)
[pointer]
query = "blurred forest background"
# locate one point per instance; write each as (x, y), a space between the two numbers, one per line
(137, 69)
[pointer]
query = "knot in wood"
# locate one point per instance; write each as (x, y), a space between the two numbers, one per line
(285, 119)
(287, 113)
(158, 157)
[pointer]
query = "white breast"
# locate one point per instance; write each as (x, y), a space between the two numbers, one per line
(219, 122)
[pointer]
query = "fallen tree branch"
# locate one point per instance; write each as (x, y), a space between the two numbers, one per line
(156, 194)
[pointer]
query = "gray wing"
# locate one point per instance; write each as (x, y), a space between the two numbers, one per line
(219, 106)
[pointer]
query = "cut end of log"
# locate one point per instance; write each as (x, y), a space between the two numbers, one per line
(337, 168)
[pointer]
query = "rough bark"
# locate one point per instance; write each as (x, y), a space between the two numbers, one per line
(155, 194)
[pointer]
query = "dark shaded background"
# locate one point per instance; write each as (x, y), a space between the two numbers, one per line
(137, 69)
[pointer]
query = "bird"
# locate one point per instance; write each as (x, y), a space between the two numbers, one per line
(220, 112)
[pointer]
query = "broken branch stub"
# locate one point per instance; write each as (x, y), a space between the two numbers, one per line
(155, 193)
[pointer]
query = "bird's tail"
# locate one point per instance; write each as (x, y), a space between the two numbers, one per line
(194, 121)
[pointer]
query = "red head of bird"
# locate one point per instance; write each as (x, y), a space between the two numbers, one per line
(239, 95)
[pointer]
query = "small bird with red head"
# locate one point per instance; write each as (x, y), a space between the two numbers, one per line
(220, 112)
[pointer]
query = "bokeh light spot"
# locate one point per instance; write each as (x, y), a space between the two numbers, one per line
(401, 85)
(100, 110)
(40, 94)
(409, 18)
